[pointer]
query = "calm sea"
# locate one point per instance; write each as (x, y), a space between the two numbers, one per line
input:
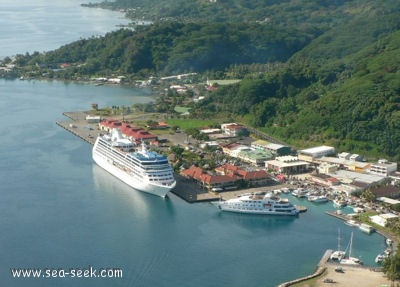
(59, 210)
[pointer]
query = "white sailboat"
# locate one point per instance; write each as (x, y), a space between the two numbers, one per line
(349, 260)
(338, 254)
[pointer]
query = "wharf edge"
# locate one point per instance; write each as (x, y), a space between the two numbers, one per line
(185, 189)
(321, 267)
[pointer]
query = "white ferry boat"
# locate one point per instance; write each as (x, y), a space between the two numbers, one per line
(258, 203)
(366, 228)
(352, 223)
(141, 169)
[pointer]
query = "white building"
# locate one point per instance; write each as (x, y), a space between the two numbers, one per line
(233, 129)
(287, 165)
(383, 219)
(316, 152)
(93, 119)
(383, 167)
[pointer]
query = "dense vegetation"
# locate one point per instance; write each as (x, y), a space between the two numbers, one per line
(175, 47)
(313, 71)
(353, 108)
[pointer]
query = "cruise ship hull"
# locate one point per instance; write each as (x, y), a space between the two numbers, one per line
(159, 190)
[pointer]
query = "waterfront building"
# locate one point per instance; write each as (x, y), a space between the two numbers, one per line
(227, 176)
(287, 165)
(324, 179)
(136, 134)
(210, 181)
(251, 175)
(383, 219)
(361, 181)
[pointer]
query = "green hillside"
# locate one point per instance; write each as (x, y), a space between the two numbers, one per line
(313, 72)
(352, 103)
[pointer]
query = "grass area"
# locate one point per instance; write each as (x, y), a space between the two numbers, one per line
(184, 124)
(181, 110)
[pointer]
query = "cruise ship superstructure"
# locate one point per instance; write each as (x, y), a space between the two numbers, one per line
(141, 169)
(258, 203)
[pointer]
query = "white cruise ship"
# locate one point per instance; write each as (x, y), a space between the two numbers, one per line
(141, 169)
(258, 203)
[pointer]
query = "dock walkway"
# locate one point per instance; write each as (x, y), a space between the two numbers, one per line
(78, 126)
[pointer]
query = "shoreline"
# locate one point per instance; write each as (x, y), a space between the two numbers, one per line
(192, 193)
(327, 272)
(186, 189)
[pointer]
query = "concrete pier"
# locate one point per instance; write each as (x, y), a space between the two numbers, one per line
(78, 126)
(185, 189)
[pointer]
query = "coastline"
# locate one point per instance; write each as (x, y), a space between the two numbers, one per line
(326, 272)
(190, 192)
(186, 189)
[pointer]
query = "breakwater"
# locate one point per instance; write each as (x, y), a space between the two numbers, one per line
(321, 267)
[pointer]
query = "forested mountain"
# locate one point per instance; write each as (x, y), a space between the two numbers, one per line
(173, 47)
(335, 64)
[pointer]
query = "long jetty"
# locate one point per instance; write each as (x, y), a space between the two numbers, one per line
(87, 131)
(78, 126)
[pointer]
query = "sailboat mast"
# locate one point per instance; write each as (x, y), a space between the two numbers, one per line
(351, 244)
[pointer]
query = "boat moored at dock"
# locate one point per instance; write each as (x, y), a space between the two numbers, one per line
(352, 222)
(318, 198)
(348, 259)
(258, 203)
(366, 228)
(139, 168)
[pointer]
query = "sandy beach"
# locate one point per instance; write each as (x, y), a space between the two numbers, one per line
(351, 276)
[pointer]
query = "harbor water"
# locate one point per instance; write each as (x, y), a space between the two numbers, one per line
(61, 211)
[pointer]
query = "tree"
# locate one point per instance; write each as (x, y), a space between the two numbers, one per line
(368, 195)
(391, 267)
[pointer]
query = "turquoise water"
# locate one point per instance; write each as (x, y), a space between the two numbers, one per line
(59, 210)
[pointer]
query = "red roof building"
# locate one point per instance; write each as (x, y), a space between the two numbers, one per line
(227, 176)
(208, 180)
(136, 134)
